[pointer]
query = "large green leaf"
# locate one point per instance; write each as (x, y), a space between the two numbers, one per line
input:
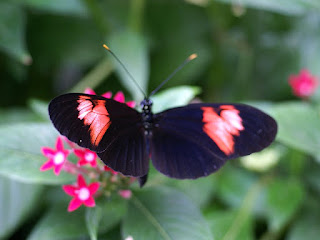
(298, 126)
(162, 213)
(59, 224)
(200, 190)
(12, 32)
(174, 97)
(17, 200)
(291, 7)
(20, 153)
(132, 49)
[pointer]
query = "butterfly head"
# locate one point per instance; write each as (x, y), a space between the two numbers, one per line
(146, 104)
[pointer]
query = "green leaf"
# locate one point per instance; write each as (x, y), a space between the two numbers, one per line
(132, 49)
(12, 30)
(59, 224)
(299, 127)
(199, 190)
(284, 197)
(221, 221)
(174, 97)
(105, 215)
(290, 7)
(20, 153)
(162, 213)
(17, 200)
(70, 7)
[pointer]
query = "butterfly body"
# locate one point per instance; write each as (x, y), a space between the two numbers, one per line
(184, 142)
(147, 116)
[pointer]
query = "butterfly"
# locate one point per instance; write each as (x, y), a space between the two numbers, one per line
(185, 142)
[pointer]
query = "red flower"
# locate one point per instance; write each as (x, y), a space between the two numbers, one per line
(56, 157)
(119, 97)
(304, 84)
(82, 194)
(86, 157)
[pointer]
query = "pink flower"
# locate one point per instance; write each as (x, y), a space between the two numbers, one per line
(57, 157)
(125, 193)
(119, 97)
(304, 84)
(82, 194)
(107, 169)
(86, 157)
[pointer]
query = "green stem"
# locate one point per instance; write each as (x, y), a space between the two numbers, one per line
(95, 77)
(136, 15)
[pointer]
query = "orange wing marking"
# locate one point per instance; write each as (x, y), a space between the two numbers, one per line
(222, 129)
(95, 115)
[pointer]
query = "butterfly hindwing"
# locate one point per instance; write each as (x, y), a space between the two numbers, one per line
(110, 128)
(196, 140)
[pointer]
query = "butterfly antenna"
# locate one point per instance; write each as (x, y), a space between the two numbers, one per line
(191, 57)
(125, 69)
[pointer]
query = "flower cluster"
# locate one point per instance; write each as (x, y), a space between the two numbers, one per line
(304, 84)
(103, 180)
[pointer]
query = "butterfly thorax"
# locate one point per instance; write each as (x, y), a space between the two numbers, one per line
(147, 115)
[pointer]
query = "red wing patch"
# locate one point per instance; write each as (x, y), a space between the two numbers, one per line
(222, 128)
(95, 115)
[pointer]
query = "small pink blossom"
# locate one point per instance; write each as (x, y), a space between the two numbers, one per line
(107, 169)
(81, 193)
(57, 157)
(125, 193)
(119, 97)
(304, 84)
(86, 157)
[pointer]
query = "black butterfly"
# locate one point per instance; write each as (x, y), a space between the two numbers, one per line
(185, 142)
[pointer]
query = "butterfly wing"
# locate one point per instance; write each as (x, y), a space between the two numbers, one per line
(196, 140)
(110, 128)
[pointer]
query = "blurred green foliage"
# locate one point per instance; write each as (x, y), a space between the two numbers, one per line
(247, 49)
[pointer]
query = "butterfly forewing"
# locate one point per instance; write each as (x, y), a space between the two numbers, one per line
(196, 140)
(110, 128)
